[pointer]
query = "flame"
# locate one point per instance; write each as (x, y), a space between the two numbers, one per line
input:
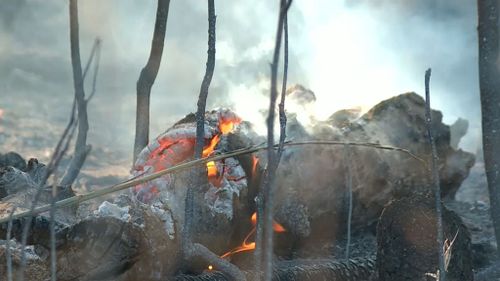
(226, 125)
(255, 161)
(248, 246)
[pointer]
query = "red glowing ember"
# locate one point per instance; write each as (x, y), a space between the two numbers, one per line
(177, 145)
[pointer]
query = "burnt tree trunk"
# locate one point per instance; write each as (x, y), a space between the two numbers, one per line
(148, 76)
(490, 102)
(81, 147)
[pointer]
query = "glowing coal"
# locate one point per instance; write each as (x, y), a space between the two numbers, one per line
(226, 177)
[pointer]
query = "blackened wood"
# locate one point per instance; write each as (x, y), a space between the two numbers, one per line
(148, 76)
(489, 75)
(355, 269)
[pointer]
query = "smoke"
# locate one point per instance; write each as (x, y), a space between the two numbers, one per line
(350, 53)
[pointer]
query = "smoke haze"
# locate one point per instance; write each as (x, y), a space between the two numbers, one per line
(350, 53)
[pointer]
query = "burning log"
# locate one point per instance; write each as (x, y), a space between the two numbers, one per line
(356, 269)
(223, 202)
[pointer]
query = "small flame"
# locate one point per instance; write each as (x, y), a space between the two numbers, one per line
(255, 162)
(227, 125)
(248, 246)
(212, 169)
(208, 150)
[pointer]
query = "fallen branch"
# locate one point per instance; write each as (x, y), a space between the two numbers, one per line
(189, 164)
(435, 178)
(355, 269)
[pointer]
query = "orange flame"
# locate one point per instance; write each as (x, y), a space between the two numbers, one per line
(255, 161)
(248, 246)
(227, 125)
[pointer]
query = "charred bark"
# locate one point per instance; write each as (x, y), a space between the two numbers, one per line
(148, 76)
(489, 85)
(270, 176)
(81, 147)
(356, 269)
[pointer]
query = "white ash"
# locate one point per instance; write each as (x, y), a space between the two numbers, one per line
(107, 209)
(166, 218)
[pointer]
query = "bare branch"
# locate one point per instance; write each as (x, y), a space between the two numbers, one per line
(148, 76)
(81, 147)
(7, 249)
(347, 159)
(191, 249)
(200, 124)
(271, 154)
(435, 177)
(282, 114)
(96, 68)
(53, 255)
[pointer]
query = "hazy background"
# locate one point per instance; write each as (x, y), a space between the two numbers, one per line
(349, 52)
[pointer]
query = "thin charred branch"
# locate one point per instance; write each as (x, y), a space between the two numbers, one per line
(148, 77)
(281, 106)
(188, 165)
(489, 84)
(53, 255)
(7, 249)
(271, 154)
(81, 147)
(96, 69)
(435, 177)
(191, 249)
(63, 143)
(200, 124)
(347, 159)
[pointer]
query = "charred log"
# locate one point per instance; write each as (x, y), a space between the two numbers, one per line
(356, 269)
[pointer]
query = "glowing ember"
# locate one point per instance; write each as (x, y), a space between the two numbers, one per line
(176, 145)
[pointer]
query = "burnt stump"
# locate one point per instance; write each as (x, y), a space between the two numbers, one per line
(407, 247)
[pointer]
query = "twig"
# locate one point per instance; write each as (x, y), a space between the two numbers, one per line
(200, 124)
(190, 249)
(282, 113)
(53, 255)
(81, 148)
(271, 154)
(435, 177)
(96, 69)
(347, 159)
(97, 43)
(189, 164)
(7, 249)
(148, 77)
